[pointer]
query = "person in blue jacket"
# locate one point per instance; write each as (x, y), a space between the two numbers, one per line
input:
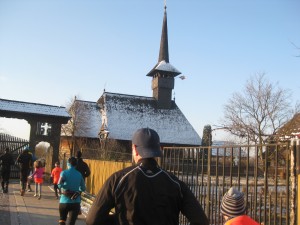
(72, 184)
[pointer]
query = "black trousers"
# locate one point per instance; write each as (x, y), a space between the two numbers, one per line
(24, 173)
(69, 208)
(5, 173)
(56, 189)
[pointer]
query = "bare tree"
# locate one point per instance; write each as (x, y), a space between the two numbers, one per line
(259, 111)
(77, 126)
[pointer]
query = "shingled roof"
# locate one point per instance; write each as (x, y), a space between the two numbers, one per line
(290, 129)
(11, 108)
(122, 115)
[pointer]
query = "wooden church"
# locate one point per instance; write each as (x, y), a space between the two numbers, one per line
(115, 116)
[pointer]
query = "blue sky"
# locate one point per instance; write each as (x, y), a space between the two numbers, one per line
(51, 50)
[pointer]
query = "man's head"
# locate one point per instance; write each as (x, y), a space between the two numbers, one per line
(233, 203)
(72, 161)
(146, 143)
(78, 154)
(26, 149)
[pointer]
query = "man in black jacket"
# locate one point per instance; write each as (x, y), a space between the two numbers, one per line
(6, 161)
(82, 166)
(25, 161)
(145, 193)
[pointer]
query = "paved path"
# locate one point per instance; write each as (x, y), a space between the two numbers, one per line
(28, 210)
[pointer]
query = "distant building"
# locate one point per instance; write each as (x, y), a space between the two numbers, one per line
(290, 130)
(117, 116)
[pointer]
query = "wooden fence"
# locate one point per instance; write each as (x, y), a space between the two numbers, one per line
(101, 170)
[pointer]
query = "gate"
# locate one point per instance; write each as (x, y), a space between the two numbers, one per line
(15, 145)
(265, 174)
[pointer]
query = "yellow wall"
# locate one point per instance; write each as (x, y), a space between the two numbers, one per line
(100, 171)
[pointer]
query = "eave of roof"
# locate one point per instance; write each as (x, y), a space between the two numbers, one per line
(11, 106)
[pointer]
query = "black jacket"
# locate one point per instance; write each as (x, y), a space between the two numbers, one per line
(6, 161)
(83, 168)
(25, 160)
(145, 195)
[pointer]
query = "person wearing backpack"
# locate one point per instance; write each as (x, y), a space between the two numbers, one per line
(82, 166)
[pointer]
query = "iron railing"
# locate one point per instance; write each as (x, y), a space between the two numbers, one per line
(15, 145)
(263, 173)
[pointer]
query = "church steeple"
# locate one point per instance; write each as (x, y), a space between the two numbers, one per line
(163, 73)
(164, 48)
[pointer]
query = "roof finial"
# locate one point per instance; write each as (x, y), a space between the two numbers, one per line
(165, 4)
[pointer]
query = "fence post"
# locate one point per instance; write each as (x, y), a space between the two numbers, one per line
(208, 185)
(298, 179)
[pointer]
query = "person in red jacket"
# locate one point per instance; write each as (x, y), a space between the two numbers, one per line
(55, 174)
(233, 209)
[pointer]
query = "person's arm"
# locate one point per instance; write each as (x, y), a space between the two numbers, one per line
(103, 203)
(30, 163)
(191, 207)
(82, 185)
(31, 176)
(19, 159)
(87, 170)
(61, 180)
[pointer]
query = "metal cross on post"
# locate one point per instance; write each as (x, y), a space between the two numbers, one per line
(45, 129)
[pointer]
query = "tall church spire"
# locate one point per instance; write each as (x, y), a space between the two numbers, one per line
(164, 48)
(163, 74)
(163, 64)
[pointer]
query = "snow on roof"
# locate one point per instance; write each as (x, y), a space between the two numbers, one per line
(290, 129)
(123, 114)
(33, 108)
(164, 66)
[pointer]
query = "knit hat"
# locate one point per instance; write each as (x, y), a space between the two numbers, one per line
(233, 203)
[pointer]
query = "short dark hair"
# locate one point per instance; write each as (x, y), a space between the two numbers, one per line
(73, 161)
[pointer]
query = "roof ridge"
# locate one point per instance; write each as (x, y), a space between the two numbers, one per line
(130, 95)
(33, 103)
